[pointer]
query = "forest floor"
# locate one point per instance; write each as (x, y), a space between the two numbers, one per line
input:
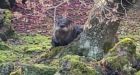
(24, 47)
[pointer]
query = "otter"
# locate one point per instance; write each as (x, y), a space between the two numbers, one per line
(64, 32)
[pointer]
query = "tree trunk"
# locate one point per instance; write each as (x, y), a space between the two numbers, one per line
(101, 27)
(95, 38)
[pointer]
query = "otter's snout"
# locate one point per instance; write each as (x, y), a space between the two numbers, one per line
(62, 26)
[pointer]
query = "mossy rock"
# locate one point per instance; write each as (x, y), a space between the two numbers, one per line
(4, 46)
(122, 56)
(117, 62)
(120, 65)
(17, 72)
(51, 53)
(6, 28)
(7, 17)
(74, 66)
(6, 68)
(107, 46)
(23, 47)
(35, 43)
(36, 69)
(126, 46)
(7, 56)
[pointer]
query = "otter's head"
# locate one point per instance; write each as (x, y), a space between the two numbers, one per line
(62, 23)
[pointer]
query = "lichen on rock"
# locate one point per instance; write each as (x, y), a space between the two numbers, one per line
(125, 47)
(121, 58)
(6, 68)
(36, 69)
(6, 30)
(72, 64)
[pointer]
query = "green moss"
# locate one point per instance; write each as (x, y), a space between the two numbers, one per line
(107, 46)
(137, 73)
(126, 43)
(17, 72)
(7, 24)
(6, 53)
(32, 48)
(38, 69)
(28, 44)
(77, 66)
(51, 52)
(10, 32)
(72, 58)
(135, 38)
(76, 72)
(4, 46)
(6, 56)
(138, 56)
(36, 42)
(55, 63)
(7, 17)
(6, 68)
(73, 49)
(117, 62)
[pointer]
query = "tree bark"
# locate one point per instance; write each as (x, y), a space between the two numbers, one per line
(101, 26)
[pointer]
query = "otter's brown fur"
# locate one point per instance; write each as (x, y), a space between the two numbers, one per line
(66, 35)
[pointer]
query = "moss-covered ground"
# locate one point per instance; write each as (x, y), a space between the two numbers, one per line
(136, 39)
(24, 47)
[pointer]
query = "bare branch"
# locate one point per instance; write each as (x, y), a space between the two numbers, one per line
(123, 7)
